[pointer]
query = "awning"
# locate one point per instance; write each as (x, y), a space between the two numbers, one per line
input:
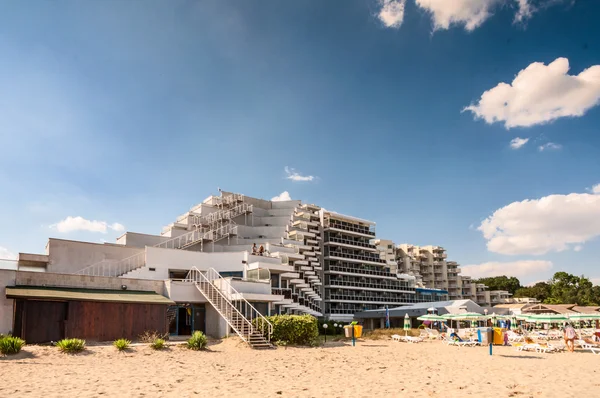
(75, 294)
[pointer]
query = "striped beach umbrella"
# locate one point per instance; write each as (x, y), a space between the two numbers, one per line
(406, 324)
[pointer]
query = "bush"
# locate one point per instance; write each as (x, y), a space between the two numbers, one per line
(71, 345)
(122, 344)
(10, 345)
(197, 341)
(294, 329)
(150, 337)
(158, 344)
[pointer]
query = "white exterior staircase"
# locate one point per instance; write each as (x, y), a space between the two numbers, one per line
(244, 319)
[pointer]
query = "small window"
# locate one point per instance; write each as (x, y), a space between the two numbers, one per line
(389, 246)
(152, 269)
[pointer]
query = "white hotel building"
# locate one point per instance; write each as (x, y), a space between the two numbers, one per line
(316, 262)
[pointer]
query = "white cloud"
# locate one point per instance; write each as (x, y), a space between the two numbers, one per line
(596, 189)
(6, 254)
(295, 176)
(549, 146)
(540, 94)
(71, 224)
(517, 143)
(470, 13)
(518, 269)
(552, 223)
(285, 195)
(595, 281)
(524, 10)
(578, 248)
(392, 12)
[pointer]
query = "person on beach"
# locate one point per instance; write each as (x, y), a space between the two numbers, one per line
(570, 334)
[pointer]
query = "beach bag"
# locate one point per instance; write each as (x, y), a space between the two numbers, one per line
(570, 332)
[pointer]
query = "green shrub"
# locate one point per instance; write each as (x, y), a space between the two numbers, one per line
(10, 345)
(158, 344)
(293, 329)
(197, 341)
(122, 344)
(71, 345)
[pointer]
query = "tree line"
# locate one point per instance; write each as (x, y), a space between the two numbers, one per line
(563, 288)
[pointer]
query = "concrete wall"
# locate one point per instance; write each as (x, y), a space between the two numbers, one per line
(216, 326)
(183, 292)
(68, 256)
(162, 260)
(135, 239)
(88, 282)
(7, 278)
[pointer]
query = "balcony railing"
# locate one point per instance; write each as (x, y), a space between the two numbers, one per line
(361, 230)
(285, 292)
(360, 271)
(351, 242)
(338, 282)
(382, 299)
(357, 257)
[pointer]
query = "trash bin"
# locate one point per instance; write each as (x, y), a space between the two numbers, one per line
(348, 331)
(357, 331)
(499, 336)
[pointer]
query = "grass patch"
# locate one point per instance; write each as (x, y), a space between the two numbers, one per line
(10, 345)
(122, 344)
(158, 344)
(71, 346)
(197, 341)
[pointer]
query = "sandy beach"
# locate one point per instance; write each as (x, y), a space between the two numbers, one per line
(229, 368)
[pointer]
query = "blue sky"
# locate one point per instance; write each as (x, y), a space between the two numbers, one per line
(131, 112)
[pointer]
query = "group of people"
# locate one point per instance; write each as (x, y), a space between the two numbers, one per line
(258, 251)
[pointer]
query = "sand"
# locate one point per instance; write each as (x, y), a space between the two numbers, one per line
(231, 369)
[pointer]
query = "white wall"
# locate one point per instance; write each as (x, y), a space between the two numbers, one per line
(162, 260)
(68, 256)
(183, 292)
(135, 239)
(7, 278)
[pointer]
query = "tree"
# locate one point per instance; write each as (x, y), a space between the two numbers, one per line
(540, 291)
(571, 289)
(510, 284)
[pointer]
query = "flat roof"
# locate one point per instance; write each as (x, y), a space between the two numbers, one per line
(64, 293)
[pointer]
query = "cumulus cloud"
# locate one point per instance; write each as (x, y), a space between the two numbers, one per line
(6, 254)
(540, 94)
(596, 189)
(469, 13)
(518, 269)
(517, 143)
(291, 174)
(285, 195)
(71, 224)
(391, 12)
(549, 146)
(595, 281)
(552, 223)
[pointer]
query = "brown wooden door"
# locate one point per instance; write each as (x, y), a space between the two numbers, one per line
(44, 321)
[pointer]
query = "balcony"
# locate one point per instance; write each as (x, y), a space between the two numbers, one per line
(362, 299)
(286, 293)
(350, 242)
(360, 271)
(365, 285)
(340, 225)
(359, 257)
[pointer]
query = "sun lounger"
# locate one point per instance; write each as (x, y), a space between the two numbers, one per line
(396, 337)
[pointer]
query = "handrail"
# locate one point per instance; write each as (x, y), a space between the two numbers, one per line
(211, 275)
(115, 267)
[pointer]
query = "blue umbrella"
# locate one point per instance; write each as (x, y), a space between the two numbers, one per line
(387, 317)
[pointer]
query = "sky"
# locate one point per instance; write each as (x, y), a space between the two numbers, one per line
(470, 124)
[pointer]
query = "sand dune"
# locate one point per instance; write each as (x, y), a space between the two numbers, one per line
(230, 369)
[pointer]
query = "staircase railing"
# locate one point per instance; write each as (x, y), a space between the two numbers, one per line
(223, 296)
(182, 240)
(115, 267)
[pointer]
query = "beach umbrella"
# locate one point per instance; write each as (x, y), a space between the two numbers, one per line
(406, 324)
(387, 317)
(545, 318)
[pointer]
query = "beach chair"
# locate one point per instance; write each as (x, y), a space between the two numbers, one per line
(514, 337)
(396, 337)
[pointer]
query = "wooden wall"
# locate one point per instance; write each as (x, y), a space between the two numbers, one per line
(89, 320)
